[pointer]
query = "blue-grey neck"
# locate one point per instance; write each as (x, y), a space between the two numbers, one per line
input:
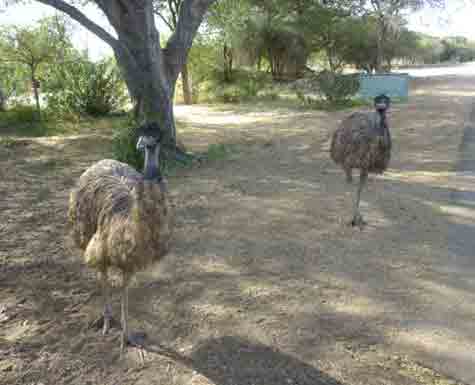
(151, 169)
(382, 116)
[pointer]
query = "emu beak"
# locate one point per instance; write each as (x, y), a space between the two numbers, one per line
(141, 144)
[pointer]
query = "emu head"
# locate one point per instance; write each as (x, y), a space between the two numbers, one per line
(149, 143)
(382, 103)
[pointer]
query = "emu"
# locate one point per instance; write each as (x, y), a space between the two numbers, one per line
(363, 142)
(122, 220)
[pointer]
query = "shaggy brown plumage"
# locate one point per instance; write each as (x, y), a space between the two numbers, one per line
(363, 142)
(121, 220)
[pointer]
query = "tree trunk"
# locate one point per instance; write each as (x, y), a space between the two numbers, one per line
(228, 63)
(3, 100)
(380, 41)
(186, 83)
(34, 84)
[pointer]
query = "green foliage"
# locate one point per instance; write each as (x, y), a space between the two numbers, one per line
(12, 82)
(124, 149)
(220, 151)
(33, 48)
(124, 142)
(21, 120)
(83, 87)
(458, 49)
(337, 88)
(202, 63)
(244, 86)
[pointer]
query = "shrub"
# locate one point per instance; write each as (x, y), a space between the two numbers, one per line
(20, 113)
(82, 87)
(245, 85)
(124, 143)
(337, 88)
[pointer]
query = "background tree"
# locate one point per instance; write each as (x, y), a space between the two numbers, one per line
(34, 47)
(388, 15)
(227, 25)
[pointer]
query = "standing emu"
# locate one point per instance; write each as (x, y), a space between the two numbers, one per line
(363, 142)
(122, 221)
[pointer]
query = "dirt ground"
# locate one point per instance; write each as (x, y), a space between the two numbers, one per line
(266, 283)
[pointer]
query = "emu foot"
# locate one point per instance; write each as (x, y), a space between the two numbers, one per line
(137, 339)
(99, 323)
(358, 221)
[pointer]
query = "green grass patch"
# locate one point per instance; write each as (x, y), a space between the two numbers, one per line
(221, 151)
(21, 121)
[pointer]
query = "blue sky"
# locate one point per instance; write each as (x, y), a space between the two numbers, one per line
(456, 19)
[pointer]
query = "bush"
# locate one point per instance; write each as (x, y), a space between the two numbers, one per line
(124, 149)
(337, 88)
(245, 85)
(124, 144)
(82, 87)
(20, 113)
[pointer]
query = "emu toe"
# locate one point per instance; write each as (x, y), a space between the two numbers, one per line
(136, 340)
(358, 221)
(99, 323)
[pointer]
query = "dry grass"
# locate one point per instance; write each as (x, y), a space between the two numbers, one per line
(266, 284)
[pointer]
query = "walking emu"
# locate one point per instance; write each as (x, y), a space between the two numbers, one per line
(122, 221)
(363, 142)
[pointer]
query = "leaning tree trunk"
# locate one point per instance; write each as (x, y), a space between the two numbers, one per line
(186, 83)
(150, 74)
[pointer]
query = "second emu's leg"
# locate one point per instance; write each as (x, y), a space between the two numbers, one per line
(357, 217)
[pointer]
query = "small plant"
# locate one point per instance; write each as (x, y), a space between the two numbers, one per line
(337, 88)
(219, 151)
(124, 149)
(21, 113)
(7, 142)
(124, 144)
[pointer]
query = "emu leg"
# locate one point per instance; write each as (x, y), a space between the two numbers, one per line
(349, 175)
(105, 321)
(357, 217)
(107, 314)
(133, 339)
(124, 315)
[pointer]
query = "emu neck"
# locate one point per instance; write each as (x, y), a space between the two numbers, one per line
(382, 119)
(151, 169)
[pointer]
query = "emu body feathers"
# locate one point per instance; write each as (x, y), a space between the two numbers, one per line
(119, 219)
(362, 142)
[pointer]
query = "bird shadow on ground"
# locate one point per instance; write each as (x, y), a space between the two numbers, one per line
(232, 360)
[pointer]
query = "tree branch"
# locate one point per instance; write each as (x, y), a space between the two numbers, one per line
(164, 19)
(191, 15)
(82, 19)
